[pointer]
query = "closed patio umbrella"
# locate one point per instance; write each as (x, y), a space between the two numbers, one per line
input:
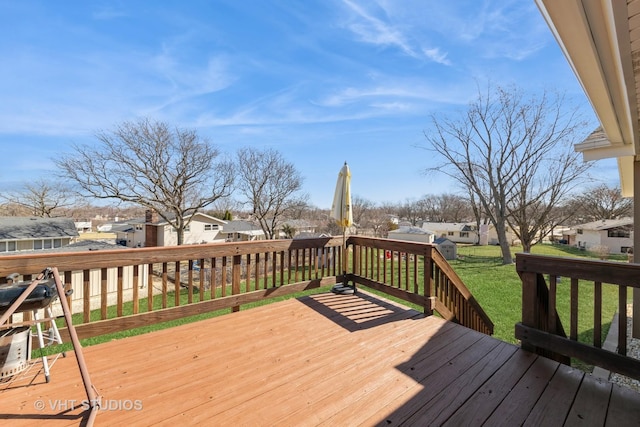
(343, 214)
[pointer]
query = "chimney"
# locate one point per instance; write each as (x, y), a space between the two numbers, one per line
(150, 230)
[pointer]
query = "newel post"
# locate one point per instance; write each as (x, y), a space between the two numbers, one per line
(530, 301)
(429, 299)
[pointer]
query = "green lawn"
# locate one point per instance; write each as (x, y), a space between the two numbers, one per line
(498, 289)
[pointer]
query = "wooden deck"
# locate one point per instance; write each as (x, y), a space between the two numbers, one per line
(321, 360)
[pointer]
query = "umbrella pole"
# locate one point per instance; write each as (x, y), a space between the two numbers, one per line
(345, 259)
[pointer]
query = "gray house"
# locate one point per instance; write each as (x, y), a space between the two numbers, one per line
(33, 233)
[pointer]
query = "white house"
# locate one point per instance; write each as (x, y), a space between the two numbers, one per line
(457, 232)
(412, 234)
(240, 230)
(615, 234)
(151, 231)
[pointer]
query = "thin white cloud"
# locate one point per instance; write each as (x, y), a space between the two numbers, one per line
(437, 56)
(371, 29)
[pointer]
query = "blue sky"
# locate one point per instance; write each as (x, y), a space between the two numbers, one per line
(321, 81)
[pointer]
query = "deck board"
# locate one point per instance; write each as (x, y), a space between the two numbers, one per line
(320, 360)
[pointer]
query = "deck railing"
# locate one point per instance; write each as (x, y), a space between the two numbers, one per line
(542, 330)
(417, 273)
(142, 286)
(175, 282)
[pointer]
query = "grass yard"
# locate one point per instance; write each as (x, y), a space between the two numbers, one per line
(498, 289)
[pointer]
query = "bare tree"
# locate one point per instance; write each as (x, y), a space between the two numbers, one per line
(41, 197)
(602, 202)
(269, 185)
(361, 211)
(411, 210)
(170, 171)
(514, 154)
(452, 208)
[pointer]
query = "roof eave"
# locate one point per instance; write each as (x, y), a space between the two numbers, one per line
(594, 37)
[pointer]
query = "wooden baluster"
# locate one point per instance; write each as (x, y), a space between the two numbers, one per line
(214, 278)
(176, 284)
(135, 289)
(223, 276)
(103, 293)
(622, 320)
(149, 287)
(120, 296)
(165, 285)
(235, 278)
(202, 277)
(190, 281)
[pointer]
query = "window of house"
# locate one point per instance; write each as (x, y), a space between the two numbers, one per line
(618, 232)
(210, 227)
(464, 234)
(626, 249)
(187, 228)
(7, 246)
(46, 244)
(139, 227)
(450, 233)
(579, 231)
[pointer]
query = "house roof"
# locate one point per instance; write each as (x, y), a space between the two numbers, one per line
(28, 228)
(606, 224)
(441, 240)
(242, 226)
(446, 226)
(161, 221)
(410, 230)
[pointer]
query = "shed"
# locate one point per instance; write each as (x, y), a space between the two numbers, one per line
(447, 248)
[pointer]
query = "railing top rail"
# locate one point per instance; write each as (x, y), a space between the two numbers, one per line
(613, 272)
(393, 245)
(32, 263)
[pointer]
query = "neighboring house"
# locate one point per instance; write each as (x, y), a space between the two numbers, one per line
(467, 233)
(615, 234)
(447, 248)
(34, 233)
(151, 231)
(242, 231)
(412, 234)
(83, 226)
(457, 232)
(298, 225)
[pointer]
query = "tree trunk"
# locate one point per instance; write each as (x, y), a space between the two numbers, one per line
(501, 230)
